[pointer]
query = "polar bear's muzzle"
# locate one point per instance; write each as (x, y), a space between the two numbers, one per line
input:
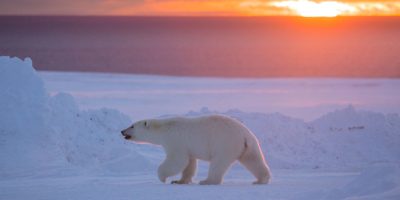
(126, 136)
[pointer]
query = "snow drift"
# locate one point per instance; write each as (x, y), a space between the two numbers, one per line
(39, 131)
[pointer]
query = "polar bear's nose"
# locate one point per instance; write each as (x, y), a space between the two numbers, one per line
(122, 132)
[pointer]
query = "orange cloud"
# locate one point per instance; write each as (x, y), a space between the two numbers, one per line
(202, 7)
(261, 7)
(182, 7)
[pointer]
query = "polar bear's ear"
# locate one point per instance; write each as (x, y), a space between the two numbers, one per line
(154, 125)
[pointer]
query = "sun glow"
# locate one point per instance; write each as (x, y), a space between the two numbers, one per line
(308, 8)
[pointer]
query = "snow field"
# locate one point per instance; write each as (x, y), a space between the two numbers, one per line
(48, 141)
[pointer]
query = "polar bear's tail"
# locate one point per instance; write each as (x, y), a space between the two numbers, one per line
(253, 159)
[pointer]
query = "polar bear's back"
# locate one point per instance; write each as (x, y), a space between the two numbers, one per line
(211, 124)
(209, 135)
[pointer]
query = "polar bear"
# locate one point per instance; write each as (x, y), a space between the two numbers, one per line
(219, 139)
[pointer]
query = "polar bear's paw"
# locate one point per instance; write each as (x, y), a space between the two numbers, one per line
(181, 182)
(208, 182)
(261, 182)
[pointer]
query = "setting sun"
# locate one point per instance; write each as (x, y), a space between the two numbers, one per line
(321, 8)
(305, 8)
(308, 8)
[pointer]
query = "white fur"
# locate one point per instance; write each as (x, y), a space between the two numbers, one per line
(218, 139)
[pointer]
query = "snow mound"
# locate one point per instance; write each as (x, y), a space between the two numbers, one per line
(359, 137)
(341, 139)
(22, 117)
(38, 131)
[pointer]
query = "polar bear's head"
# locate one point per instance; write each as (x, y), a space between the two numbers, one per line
(145, 131)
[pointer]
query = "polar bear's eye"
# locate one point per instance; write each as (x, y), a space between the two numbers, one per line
(145, 124)
(132, 126)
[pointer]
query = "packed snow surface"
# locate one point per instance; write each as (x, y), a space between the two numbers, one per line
(53, 145)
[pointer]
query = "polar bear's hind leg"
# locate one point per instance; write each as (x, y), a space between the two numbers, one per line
(216, 171)
(253, 160)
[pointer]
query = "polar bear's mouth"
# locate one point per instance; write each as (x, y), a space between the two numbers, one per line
(127, 137)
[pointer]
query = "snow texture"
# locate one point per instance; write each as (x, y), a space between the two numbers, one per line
(39, 131)
(48, 140)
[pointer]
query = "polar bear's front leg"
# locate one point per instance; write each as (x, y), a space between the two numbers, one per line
(172, 165)
(188, 173)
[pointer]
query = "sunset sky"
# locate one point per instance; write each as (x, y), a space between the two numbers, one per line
(308, 8)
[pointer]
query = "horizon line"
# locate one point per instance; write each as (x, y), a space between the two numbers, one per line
(194, 16)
